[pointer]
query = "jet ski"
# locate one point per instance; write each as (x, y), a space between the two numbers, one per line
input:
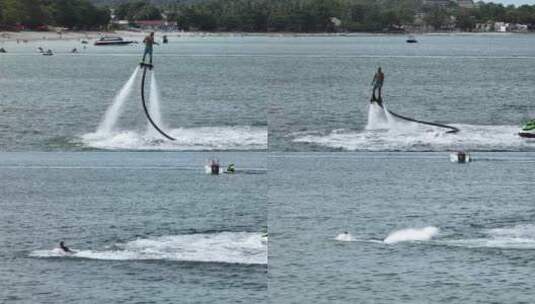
(528, 130)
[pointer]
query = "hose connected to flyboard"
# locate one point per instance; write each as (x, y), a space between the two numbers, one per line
(145, 106)
(451, 128)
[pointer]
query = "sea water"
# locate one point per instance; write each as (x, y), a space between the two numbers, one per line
(480, 83)
(420, 229)
(213, 95)
(144, 227)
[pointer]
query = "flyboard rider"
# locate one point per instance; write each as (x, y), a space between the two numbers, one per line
(377, 83)
(149, 42)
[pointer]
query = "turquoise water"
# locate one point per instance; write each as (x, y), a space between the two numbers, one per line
(146, 227)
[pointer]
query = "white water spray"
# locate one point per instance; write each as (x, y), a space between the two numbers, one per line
(406, 235)
(154, 108)
(114, 111)
(380, 118)
(377, 118)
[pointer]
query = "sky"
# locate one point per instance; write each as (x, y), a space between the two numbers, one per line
(515, 2)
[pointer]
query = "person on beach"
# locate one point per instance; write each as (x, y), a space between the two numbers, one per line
(64, 248)
(149, 42)
(377, 83)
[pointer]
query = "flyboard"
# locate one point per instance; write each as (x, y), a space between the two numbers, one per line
(451, 129)
(146, 66)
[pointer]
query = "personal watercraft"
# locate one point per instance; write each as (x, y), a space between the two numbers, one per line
(528, 130)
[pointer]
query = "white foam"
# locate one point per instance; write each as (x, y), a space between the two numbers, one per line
(384, 132)
(114, 111)
(423, 138)
(344, 237)
(202, 138)
(411, 234)
(222, 247)
(516, 237)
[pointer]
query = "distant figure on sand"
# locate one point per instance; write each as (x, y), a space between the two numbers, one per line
(149, 42)
(377, 83)
(63, 247)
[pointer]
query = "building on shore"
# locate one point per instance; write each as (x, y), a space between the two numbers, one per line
(501, 27)
(444, 3)
(158, 25)
(153, 25)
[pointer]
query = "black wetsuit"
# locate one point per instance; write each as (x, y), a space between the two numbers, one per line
(64, 248)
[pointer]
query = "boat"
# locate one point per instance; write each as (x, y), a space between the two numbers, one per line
(528, 130)
(48, 53)
(460, 157)
(110, 40)
(412, 39)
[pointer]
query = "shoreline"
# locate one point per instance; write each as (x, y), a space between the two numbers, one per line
(28, 36)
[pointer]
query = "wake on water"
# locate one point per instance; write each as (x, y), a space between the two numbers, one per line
(222, 247)
(403, 235)
(385, 132)
(515, 237)
(109, 137)
(520, 237)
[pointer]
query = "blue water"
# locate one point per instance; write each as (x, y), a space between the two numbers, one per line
(146, 228)
(482, 212)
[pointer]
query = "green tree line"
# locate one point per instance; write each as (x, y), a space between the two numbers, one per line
(351, 15)
(76, 14)
(268, 15)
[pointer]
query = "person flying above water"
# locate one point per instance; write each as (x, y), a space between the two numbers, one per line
(64, 248)
(149, 42)
(377, 83)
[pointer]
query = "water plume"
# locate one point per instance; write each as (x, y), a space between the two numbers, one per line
(114, 111)
(154, 108)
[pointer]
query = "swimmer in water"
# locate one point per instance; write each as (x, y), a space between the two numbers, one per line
(64, 248)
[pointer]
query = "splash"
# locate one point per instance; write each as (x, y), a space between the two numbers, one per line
(222, 247)
(344, 237)
(187, 139)
(377, 119)
(406, 235)
(423, 138)
(516, 237)
(115, 110)
(385, 132)
(381, 119)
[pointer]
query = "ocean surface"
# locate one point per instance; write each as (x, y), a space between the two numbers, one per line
(218, 93)
(213, 95)
(419, 228)
(145, 228)
(481, 83)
